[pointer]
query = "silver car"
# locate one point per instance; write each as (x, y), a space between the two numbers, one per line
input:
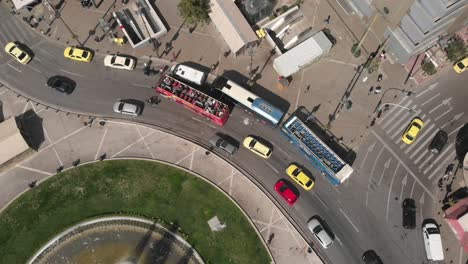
(127, 108)
(320, 233)
(219, 142)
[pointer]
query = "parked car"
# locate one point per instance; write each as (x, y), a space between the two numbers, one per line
(370, 257)
(413, 130)
(409, 213)
(77, 54)
(257, 147)
(62, 84)
(119, 62)
(219, 142)
(19, 54)
(127, 108)
(286, 192)
(439, 142)
(299, 176)
(461, 66)
(320, 233)
(432, 242)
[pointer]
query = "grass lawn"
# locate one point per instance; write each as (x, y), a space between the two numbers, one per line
(140, 187)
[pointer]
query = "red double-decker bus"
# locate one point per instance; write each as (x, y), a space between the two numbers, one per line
(199, 102)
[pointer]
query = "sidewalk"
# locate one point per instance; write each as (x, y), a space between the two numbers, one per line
(64, 140)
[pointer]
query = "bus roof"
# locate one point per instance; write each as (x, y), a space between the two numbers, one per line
(188, 73)
(235, 91)
(267, 110)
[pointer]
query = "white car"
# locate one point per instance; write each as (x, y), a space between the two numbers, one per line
(433, 242)
(320, 233)
(119, 62)
(127, 108)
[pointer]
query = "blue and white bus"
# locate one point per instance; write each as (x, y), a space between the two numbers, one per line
(321, 156)
(249, 100)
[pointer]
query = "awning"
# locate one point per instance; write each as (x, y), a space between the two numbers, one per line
(22, 3)
(232, 25)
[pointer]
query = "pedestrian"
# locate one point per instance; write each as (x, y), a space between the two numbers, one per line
(307, 89)
(378, 89)
(327, 20)
(370, 90)
(174, 56)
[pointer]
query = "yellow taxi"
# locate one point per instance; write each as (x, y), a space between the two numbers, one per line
(413, 130)
(18, 53)
(298, 175)
(461, 66)
(78, 54)
(257, 147)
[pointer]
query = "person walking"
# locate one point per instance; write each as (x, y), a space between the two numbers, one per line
(370, 90)
(327, 20)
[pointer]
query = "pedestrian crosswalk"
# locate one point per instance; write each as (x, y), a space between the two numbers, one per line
(395, 121)
(12, 29)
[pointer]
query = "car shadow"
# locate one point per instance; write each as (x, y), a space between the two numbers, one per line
(229, 139)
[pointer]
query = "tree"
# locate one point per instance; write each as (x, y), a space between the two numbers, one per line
(429, 68)
(195, 11)
(456, 49)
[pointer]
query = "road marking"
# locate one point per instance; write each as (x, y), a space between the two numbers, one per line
(34, 69)
(71, 73)
(397, 125)
(403, 184)
(372, 175)
(404, 165)
(444, 102)
(387, 114)
(422, 146)
(35, 170)
(386, 166)
(341, 62)
(436, 161)
(58, 157)
(390, 190)
(141, 85)
(63, 138)
(456, 129)
(324, 204)
(421, 201)
(357, 230)
(204, 123)
(271, 166)
(430, 99)
(446, 112)
(369, 149)
(426, 161)
(432, 86)
(341, 243)
(394, 115)
(14, 68)
(445, 161)
(285, 153)
(36, 58)
(455, 118)
(412, 189)
(138, 140)
(101, 142)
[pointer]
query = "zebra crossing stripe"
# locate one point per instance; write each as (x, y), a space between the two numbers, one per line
(441, 155)
(395, 115)
(397, 124)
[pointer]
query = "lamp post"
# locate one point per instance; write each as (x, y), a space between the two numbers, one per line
(408, 93)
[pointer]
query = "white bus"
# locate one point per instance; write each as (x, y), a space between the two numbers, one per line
(187, 73)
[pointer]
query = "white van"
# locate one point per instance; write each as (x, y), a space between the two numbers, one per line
(432, 242)
(189, 74)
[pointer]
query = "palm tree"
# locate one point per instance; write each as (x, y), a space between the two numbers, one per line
(195, 11)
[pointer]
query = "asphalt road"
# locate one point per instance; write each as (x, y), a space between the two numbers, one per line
(359, 222)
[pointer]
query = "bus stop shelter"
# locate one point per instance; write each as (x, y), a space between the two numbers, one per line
(232, 25)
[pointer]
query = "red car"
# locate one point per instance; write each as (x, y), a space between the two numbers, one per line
(283, 189)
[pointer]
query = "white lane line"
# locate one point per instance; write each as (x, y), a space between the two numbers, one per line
(35, 170)
(432, 86)
(430, 99)
(404, 165)
(131, 145)
(37, 59)
(444, 113)
(141, 85)
(438, 168)
(423, 144)
(72, 73)
(347, 217)
(285, 153)
(58, 157)
(324, 204)
(101, 142)
(372, 175)
(271, 166)
(339, 240)
(455, 118)
(63, 138)
(204, 123)
(427, 131)
(389, 112)
(386, 166)
(456, 129)
(397, 125)
(390, 190)
(389, 121)
(412, 189)
(444, 102)
(436, 161)
(14, 68)
(426, 161)
(35, 69)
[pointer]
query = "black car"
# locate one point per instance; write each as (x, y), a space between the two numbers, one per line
(439, 141)
(409, 213)
(370, 257)
(62, 84)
